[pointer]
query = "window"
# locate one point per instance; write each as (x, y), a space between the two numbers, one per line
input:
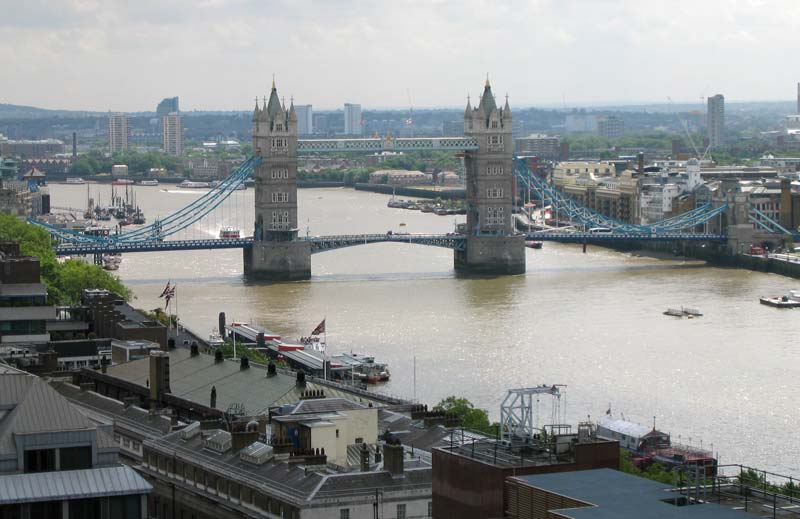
(494, 124)
(494, 169)
(41, 460)
(279, 173)
(430, 508)
(344, 513)
(495, 140)
(494, 192)
(280, 197)
(401, 511)
(359, 440)
(74, 458)
(494, 216)
(280, 142)
(279, 127)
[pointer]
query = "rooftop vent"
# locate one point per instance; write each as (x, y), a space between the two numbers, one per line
(218, 440)
(257, 453)
(190, 431)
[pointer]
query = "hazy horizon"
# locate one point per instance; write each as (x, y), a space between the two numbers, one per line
(217, 55)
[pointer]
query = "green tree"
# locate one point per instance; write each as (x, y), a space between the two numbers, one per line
(471, 417)
(75, 275)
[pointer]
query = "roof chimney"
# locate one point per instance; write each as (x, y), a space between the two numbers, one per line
(159, 374)
(393, 458)
(218, 356)
(364, 458)
(194, 348)
(244, 363)
(301, 379)
(213, 397)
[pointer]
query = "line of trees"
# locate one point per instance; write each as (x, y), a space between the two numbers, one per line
(95, 162)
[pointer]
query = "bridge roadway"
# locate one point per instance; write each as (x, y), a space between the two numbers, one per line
(327, 243)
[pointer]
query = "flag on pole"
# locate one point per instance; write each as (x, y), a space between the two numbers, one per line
(319, 329)
(166, 289)
(169, 294)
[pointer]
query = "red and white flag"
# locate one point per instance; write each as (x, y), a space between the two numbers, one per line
(168, 293)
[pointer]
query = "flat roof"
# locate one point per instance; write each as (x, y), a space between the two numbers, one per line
(613, 494)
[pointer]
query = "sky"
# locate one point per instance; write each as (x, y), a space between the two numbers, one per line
(220, 54)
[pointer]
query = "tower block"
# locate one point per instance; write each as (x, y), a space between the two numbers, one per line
(276, 254)
(493, 246)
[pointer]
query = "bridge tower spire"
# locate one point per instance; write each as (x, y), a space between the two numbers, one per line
(493, 246)
(277, 254)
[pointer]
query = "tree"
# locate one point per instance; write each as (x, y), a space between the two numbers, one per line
(64, 281)
(471, 417)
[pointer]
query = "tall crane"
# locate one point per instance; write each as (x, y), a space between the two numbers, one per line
(685, 125)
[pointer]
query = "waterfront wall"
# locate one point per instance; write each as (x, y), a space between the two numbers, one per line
(451, 194)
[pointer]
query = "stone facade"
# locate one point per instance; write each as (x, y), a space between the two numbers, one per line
(493, 247)
(276, 253)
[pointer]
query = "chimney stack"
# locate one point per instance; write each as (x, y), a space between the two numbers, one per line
(213, 397)
(364, 458)
(244, 363)
(393, 458)
(159, 374)
(218, 356)
(194, 349)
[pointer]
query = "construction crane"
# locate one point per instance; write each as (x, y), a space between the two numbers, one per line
(410, 120)
(685, 125)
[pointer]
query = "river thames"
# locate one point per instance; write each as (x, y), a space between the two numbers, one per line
(591, 321)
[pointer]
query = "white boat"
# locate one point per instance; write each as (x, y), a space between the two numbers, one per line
(189, 184)
(152, 182)
(229, 233)
(215, 340)
(75, 180)
(112, 261)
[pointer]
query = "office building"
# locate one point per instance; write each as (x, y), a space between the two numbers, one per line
(172, 134)
(541, 145)
(305, 119)
(57, 463)
(167, 106)
(352, 119)
(118, 133)
(715, 120)
(611, 127)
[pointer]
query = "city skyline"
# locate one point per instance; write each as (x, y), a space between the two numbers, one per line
(630, 51)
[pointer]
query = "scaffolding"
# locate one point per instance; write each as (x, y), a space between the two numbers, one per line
(520, 417)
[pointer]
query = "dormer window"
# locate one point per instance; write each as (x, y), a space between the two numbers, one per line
(279, 127)
(494, 124)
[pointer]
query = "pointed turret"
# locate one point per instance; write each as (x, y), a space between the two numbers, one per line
(292, 112)
(274, 104)
(506, 110)
(256, 112)
(487, 99)
(468, 110)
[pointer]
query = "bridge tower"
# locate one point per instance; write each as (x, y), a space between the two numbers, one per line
(493, 246)
(276, 253)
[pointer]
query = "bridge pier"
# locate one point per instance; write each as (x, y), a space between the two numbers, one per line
(278, 261)
(491, 255)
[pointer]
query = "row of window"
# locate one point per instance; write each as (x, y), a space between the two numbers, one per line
(344, 513)
(210, 482)
(279, 173)
(280, 142)
(280, 197)
(37, 327)
(494, 169)
(494, 192)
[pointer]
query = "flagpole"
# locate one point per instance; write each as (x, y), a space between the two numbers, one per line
(176, 311)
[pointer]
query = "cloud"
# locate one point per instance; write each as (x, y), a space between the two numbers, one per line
(219, 54)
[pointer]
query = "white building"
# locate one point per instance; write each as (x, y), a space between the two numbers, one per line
(352, 119)
(118, 133)
(119, 170)
(173, 134)
(305, 119)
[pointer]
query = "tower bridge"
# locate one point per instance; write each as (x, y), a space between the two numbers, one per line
(490, 243)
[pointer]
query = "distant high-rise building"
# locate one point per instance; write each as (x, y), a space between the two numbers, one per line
(168, 105)
(320, 123)
(798, 98)
(305, 119)
(543, 146)
(352, 119)
(118, 133)
(716, 120)
(611, 127)
(172, 134)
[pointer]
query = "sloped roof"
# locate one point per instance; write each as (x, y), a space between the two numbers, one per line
(33, 406)
(325, 405)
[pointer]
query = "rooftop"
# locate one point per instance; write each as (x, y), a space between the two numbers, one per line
(613, 494)
(192, 378)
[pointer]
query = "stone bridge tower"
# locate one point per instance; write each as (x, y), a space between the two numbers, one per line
(276, 253)
(493, 245)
